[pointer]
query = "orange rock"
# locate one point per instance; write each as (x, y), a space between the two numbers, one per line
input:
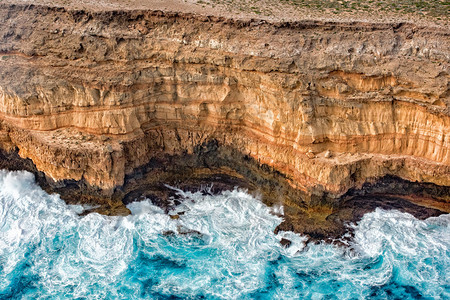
(382, 109)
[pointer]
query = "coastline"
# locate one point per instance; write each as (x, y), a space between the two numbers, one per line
(101, 126)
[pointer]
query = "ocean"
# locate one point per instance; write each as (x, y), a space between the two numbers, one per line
(221, 247)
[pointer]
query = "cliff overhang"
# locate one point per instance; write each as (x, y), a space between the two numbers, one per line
(101, 105)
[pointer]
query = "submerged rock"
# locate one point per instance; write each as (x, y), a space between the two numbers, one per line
(285, 243)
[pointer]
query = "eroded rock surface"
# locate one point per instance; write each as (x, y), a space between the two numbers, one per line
(102, 101)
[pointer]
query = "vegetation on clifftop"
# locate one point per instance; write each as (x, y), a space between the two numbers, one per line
(436, 9)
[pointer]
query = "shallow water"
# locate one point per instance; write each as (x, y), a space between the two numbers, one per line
(228, 250)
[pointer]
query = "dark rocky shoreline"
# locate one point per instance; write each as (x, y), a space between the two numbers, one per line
(212, 169)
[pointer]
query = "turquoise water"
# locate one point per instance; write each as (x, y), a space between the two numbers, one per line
(228, 251)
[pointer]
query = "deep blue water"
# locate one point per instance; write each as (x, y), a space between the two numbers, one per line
(228, 251)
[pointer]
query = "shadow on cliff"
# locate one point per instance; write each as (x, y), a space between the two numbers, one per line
(319, 215)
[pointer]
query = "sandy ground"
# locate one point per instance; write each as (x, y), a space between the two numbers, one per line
(434, 13)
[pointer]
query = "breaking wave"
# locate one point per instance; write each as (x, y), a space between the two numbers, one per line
(220, 247)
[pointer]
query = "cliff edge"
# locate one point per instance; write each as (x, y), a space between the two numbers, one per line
(101, 103)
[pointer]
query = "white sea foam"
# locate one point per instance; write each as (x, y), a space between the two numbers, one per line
(221, 246)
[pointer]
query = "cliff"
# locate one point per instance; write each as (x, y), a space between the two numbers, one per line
(94, 98)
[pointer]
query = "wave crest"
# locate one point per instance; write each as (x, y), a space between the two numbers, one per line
(218, 246)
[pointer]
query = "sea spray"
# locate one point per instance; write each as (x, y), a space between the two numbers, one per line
(220, 247)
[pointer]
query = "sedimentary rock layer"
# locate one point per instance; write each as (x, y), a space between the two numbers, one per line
(93, 96)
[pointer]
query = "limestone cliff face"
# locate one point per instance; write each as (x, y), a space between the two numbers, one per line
(94, 96)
